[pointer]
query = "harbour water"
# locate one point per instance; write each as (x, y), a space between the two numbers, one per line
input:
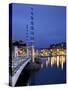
(49, 74)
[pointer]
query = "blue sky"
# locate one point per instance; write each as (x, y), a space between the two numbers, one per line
(49, 23)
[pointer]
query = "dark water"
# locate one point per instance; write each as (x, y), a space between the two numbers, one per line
(48, 75)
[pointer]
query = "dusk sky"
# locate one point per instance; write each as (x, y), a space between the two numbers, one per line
(49, 23)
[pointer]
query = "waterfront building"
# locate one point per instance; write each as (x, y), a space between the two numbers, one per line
(18, 48)
(56, 54)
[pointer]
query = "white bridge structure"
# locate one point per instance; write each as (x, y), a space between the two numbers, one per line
(18, 64)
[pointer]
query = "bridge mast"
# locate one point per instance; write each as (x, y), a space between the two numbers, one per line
(32, 39)
(27, 37)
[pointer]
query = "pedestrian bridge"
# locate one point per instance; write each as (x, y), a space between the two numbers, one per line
(18, 65)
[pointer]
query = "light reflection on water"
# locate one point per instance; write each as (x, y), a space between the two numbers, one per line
(53, 71)
(54, 60)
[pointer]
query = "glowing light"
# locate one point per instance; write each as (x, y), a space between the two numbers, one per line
(62, 61)
(33, 54)
(58, 61)
(52, 61)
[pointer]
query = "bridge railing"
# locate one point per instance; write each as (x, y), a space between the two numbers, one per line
(18, 65)
(17, 62)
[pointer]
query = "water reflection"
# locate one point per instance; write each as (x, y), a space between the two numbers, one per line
(52, 71)
(54, 60)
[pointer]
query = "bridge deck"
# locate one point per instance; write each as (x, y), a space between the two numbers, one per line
(18, 65)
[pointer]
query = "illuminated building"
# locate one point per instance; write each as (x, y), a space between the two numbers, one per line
(18, 49)
(56, 54)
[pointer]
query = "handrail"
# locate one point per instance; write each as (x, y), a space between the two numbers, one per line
(17, 74)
